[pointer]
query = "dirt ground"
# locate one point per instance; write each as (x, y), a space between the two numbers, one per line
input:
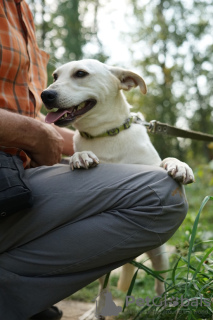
(72, 310)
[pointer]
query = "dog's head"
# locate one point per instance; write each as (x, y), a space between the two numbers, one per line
(80, 86)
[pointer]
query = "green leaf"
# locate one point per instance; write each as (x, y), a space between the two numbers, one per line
(131, 287)
(106, 280)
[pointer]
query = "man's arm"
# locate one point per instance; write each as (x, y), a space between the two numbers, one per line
(40, 141)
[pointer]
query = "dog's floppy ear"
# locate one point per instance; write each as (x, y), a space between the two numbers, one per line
(128, 79)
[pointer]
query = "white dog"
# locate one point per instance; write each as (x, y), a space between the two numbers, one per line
(89, 95)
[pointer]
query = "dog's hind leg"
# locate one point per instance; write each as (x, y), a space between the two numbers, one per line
(160, 262)
(125, 278)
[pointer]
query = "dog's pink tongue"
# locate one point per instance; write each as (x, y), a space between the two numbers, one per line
(52, 117)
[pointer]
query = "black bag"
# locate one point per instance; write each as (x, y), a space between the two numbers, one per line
(15, 193)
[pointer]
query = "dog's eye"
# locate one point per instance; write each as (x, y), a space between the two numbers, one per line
(55, 77)
(81, 74)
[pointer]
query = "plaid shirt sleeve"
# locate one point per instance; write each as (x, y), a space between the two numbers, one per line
(22, 64)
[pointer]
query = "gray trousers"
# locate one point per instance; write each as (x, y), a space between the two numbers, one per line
(83, 224)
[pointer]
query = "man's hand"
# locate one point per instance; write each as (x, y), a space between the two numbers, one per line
(67, 135)
(47, 146)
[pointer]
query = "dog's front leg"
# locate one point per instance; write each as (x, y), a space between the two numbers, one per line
(95, 312)
(83, 159)
(179, 170)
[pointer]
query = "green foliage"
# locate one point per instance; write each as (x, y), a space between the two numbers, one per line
(61, 30)
(189, 289)
(175, 53)
(87, 294)
(196, 191)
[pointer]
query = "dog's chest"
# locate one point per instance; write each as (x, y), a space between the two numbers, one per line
(129, 146)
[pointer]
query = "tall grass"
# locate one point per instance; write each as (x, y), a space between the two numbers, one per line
(189, 288)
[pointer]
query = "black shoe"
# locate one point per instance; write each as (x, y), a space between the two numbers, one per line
(53, 313)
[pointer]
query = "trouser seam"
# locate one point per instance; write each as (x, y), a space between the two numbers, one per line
(156, 195)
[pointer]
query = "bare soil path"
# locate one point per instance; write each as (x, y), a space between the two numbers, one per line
(72, 310)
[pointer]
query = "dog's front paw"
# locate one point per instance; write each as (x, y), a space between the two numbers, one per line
(179, 170)
(84, 159)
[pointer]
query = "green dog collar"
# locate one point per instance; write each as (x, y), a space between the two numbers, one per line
(110, 133)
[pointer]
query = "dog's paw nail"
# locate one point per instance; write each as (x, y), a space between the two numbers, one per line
(77, 165)
(172, 172)
(86, 162)
(190, 180)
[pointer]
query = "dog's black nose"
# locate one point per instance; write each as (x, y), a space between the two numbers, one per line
(49, 97)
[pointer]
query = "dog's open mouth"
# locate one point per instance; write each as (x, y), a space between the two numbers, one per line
(62, 117)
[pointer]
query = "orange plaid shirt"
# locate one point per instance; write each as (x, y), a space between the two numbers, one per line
(22, 64)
